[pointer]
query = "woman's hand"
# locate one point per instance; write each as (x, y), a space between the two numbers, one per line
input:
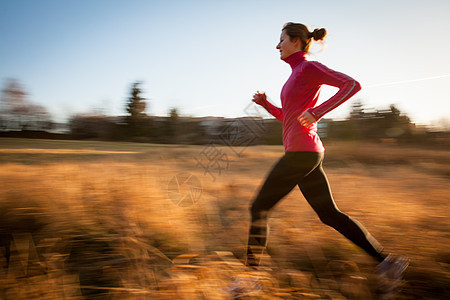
(259, 98)
(306, 119)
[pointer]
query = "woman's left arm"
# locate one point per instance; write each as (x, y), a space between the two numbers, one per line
(320, 74)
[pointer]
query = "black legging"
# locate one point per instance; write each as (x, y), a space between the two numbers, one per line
(305, 170)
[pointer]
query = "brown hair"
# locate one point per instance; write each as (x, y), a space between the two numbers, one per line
(299, 31)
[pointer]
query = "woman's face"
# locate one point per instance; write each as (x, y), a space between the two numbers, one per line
(286, 47)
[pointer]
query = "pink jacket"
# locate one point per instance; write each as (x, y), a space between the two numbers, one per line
(301, 92)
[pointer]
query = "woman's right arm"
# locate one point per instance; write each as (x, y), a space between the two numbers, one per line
(261, 99)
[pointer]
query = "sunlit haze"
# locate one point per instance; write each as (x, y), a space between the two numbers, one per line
(207, 58)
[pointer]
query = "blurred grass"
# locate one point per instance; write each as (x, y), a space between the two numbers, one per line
(93, 219)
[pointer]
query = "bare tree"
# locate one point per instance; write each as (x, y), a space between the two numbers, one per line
(18, 113)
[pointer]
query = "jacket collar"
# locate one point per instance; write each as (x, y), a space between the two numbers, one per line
(295, 59)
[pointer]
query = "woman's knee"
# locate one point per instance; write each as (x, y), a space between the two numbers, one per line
(334, 218)
(257, 212)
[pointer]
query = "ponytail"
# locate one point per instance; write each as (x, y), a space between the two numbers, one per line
(318, 34)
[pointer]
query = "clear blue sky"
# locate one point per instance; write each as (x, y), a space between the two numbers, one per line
(209, 57)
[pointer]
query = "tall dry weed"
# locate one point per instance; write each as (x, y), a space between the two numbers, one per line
(107, 228)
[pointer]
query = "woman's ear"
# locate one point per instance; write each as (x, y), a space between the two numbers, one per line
(298, 43)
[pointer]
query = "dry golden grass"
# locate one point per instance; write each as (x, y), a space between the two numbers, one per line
(99, 220)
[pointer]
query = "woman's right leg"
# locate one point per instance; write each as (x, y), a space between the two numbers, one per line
(285, 175)
(316, 189)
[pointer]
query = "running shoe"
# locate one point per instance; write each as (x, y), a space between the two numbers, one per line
(243, 286)
(389, 275)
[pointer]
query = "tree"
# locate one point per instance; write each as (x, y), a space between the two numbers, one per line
(14, 105)
(136, 119)
(396, 124)
(357, 111)
(171, 125)
(136, 104)
(18, 113)
(173, 114)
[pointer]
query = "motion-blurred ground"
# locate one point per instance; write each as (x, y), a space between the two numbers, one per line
(128, 221)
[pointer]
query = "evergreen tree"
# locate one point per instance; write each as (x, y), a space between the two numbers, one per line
(136, 119)
(136, 104)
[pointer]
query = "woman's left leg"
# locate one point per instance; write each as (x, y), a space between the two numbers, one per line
(316, 189)
(284, 176)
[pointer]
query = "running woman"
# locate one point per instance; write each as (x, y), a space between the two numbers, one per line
(301, 164)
